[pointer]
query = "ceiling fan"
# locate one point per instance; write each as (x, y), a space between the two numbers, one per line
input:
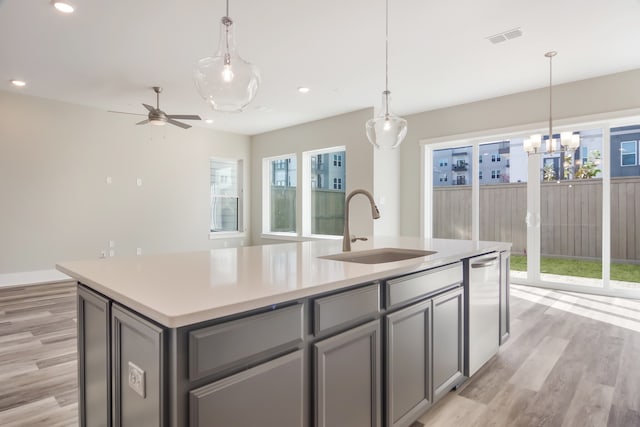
(158, 117)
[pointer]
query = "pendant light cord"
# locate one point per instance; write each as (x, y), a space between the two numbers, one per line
(386, 58)
(227, 22)
(550, 102)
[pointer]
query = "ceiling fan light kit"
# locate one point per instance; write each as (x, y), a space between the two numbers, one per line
(386, 130)
(226, 81)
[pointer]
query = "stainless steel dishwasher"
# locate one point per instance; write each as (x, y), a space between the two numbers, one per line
(483, 310)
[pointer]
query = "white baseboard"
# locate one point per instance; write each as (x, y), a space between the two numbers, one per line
(39, 277)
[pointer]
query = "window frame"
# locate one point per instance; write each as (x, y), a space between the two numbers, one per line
(266, 195)
(635, 153)
(304, 190)
(240, 196)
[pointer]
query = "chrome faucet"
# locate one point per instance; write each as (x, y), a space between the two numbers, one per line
(347, 239)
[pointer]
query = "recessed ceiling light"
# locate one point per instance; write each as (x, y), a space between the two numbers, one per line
(303, 89)
(63, 6)
(18, 83)
(209, 121)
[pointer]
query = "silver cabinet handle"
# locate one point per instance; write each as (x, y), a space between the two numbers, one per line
(485, 263)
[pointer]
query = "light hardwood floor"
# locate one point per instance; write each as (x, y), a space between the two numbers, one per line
(572, 360)
(38, 367)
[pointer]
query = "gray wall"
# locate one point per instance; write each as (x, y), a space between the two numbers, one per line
(610, 93)
(56, 205)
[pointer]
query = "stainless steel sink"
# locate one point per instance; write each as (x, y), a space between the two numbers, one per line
(378, 256)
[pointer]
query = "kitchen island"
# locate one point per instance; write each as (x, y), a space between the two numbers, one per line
(274, 335)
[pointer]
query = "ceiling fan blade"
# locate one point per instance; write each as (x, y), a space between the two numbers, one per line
(148, 107)
(184, 117)
(144, 122)
(124, 112)
(179, 124)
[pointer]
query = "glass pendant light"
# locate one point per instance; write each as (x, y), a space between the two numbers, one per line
(226, 81)
(386, 130)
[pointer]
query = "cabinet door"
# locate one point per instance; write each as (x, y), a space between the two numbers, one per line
(505, 268)
(94, 376)
(408, 363)
(347, 378)
(448, 341)
(268, 395)
(137, 366)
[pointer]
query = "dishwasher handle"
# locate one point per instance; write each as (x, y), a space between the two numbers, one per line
(487, 262)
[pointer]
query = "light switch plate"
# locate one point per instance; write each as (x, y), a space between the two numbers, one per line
(137, 379)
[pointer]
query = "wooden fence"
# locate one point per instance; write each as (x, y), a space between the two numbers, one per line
(571, 216)
(327, 208)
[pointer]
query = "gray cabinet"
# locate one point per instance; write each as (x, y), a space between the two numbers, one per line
(345, 309)
(448, 341)
(138, 370)
(409, 379)
(505, 321)
(244, 341)
(347, 378)
(94, 361)
(268, 395)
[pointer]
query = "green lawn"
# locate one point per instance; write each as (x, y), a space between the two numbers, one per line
(579, 268)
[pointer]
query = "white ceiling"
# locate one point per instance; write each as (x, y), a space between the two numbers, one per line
(110, 52)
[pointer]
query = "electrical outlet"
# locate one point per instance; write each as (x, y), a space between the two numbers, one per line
(137, 379)
(109, 180)
(139, 251)
(139, 182)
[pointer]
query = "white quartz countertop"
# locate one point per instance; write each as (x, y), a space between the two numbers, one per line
(185, 288)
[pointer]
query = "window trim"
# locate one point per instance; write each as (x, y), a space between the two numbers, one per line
(266, 197)
(304, 231)
(635, 153)
(303, 194)
(241, 232)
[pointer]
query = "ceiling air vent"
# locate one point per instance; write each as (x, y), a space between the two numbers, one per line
(497, 39)
(505, 35)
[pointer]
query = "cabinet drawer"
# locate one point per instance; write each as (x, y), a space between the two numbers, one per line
(271, 394)
(346, 308)
(415, 286)
(215, 348)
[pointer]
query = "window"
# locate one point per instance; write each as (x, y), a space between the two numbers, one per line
(628, 153)
(444, 162)
(226, 195)
(323, 214)
(584, 154)
(493, 157)
(493, 174)
(320, 195)
(480, 173)
(280, 195)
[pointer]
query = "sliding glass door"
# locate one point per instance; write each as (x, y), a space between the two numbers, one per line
(625, 207)
(573, 217)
